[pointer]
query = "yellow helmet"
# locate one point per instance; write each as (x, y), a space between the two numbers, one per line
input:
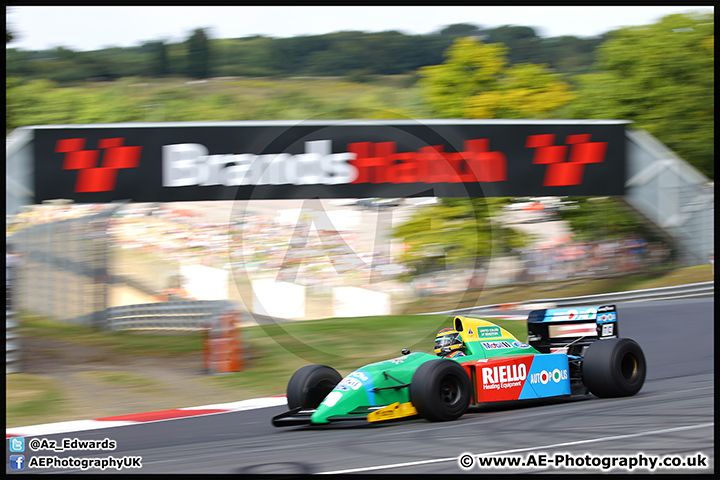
(448, 341)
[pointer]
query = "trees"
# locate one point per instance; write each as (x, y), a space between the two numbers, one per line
(157, 54)
(600, 218)
(660, 76)
(198, 54)
(522, 42)
(337, 54)
(527, 91)
(570, 55)
(461, 30)
(476, 82)
(455, 233)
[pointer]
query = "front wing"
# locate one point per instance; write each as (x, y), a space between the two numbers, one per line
(300, 416)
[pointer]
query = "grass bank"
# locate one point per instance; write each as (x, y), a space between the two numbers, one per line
(524, 292)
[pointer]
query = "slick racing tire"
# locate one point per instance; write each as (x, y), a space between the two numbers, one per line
(614, 367)
(440, 390)
(310, 385)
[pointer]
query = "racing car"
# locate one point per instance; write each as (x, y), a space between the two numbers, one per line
(571, 351)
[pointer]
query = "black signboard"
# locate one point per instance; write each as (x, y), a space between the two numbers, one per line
(334, 159)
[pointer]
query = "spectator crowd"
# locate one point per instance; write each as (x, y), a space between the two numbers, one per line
(262, 246)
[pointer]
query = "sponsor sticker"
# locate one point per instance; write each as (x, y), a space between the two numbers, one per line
(353, 383)
(496, 345)
(561, 331)
(572, 314)
(332, 398)
(518, 344)
(545, 376)
(548, 376)
(503, 376)
(607, 330)
(489, 332)
(360, 375)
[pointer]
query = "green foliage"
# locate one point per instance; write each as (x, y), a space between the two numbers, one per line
(569, 54)
(660, 76)
(522, 42)
(198, 54)
(31, 103)
(527, 91)
(455, 233)
(461, 30)
(604, 218)
(475, 81)
(135, 99)
(336, 54)
(470, 68)
(160, 64)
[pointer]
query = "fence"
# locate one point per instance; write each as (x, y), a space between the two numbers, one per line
(12, 339)
(691, 290)
(672, 195)
(62, 270)
(12, 344)
(183, 315)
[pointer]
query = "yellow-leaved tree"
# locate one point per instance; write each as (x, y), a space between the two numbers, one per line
(475, 81)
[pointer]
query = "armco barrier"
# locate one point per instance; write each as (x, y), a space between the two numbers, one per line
(691, 290)
(12, 344)
(182, 315)
(12, 339)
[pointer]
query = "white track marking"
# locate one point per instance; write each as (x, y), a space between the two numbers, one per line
(526, 449)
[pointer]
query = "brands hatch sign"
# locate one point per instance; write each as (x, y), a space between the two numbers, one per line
(334, 159)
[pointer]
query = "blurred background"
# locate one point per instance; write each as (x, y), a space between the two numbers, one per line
(658, 75)
(397, 252)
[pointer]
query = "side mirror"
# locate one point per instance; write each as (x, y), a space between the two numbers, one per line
(405, 351)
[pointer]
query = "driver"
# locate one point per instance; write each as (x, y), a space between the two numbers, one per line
(449, 344)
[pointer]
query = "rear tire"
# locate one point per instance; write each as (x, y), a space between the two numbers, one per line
(309, 386)
(614, 367)
(440, 390)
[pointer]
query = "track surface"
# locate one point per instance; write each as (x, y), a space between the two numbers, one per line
(672, 415)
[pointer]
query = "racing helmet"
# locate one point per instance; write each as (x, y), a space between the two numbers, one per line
(447, 342)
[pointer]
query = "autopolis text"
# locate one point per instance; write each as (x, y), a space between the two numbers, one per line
(38, 444)
(85, 463)
(585, 461)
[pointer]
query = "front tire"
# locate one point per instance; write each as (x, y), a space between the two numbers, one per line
(614, 367)
(309, 386)
(440, 390)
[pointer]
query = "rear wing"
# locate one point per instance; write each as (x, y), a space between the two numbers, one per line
(569, 330)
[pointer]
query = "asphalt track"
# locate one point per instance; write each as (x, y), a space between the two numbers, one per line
(672, 415)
